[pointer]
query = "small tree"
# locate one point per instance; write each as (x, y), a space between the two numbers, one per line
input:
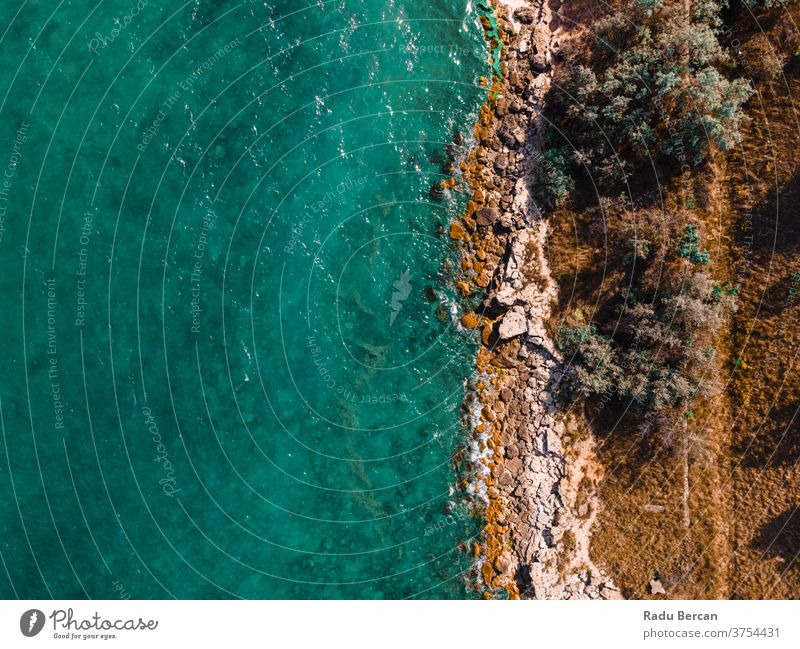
(594, 368)
(652, 83)
(552, 179)
(657, 351)
(689, 246)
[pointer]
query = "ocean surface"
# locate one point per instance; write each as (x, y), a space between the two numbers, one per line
(230, 360)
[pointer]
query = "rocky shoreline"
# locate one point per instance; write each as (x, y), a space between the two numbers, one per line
(532, 467)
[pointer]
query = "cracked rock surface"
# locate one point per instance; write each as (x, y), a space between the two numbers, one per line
(541, 484)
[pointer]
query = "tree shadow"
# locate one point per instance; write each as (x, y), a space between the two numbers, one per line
(777, 443)
(775, 225)
(781, 538)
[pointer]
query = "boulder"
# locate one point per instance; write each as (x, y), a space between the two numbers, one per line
(470, 320)
(507, 220)
(457, 231)
(540, 53)
(513, 324)
(506, 478)
(502, 563)
(486, 216)
(486, 334)
(484, 278)
(514, 465)
(524, 15)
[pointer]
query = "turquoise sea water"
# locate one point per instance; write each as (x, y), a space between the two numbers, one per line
(229, 361)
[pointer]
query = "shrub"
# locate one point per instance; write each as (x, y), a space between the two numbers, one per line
(552, 179)
(764, 59)
(595, 371)
(689, 247)
(651, 83)
(710, 112)
(653, 348)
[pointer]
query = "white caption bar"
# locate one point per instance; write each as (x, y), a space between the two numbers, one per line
(379, 625)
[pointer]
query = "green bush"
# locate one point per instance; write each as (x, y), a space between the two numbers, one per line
(651, 82)
(594, 369)
(689, 247)
(652, 349)
(552, 179)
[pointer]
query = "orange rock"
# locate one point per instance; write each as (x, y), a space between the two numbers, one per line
(483, 279)
(486, 334)
(457, 231)
(470, 320)
(463, 287)
(488, 572)
(484, 356)
(466, 263)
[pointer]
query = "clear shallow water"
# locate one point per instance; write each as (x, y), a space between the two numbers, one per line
(230, 369)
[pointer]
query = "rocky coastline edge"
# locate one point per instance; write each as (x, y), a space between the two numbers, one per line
(532, 466)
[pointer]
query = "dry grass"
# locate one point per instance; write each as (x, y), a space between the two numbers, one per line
(765, 392)
(743, 538)
(641, 531)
